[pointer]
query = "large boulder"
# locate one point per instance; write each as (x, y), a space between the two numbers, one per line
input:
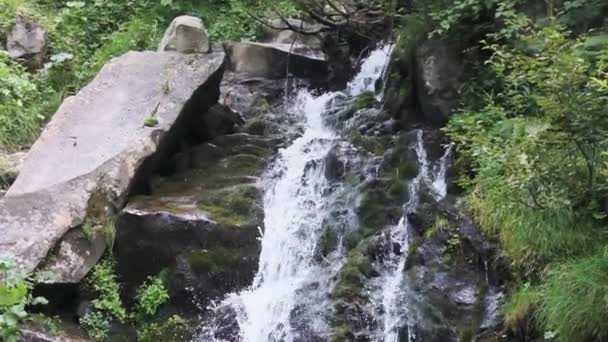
(186, 34)
(274, 60)
(282, 33)
(27, 41)
(439, 70)
(201, 224)
(93, 151)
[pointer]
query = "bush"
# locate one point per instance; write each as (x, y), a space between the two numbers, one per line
(19, 106)
(14, 297)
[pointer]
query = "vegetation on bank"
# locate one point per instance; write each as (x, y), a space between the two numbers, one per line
(84, 35)
(533, 142)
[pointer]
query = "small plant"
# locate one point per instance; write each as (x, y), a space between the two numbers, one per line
(103, 281)
(109, 232)
(441, 224)
(150, 297)
(96, 324)
(88, 231)
(14, 297)
(152, 119)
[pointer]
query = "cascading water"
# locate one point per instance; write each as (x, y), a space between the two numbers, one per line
(392, 283)
(295, 204)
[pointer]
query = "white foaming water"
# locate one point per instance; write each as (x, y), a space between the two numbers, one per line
(371, 70)
(393, 280)
(294, 207)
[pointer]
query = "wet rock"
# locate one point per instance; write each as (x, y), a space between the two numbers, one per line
(200, 224)
(27, 41)
(205, 259)
(276, 60)
(439, 69)
(186, 34)
(73, 257)
(334, 167)
(92, 153)
(218, 120)
(28, 335)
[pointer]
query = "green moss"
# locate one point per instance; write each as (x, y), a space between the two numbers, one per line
(365, 100)
(213, 260)
(351, 278)
(175, 329)
(519, 309)
(373, 145)
(412, 253)
(381, 202)
(407, 169)
(342, 333)
(328, 241)
(235, 206)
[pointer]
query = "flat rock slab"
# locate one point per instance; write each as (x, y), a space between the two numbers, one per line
(276, 60)
(95, 145)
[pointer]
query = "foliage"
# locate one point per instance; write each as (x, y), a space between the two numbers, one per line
(521, 306)
(19, 110)
(14, 297)
(103, 280)
(575, 299)
(84, 35)
(96, 324)
(533, 143)
(150, 297)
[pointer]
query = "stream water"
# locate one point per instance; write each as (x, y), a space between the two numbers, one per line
(288, 298)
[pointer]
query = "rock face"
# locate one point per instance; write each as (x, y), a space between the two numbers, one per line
(27, 41)
(284, 35)
(87, 159)
(208, 214)
(276, 60)
(186, 34)
(439, 68)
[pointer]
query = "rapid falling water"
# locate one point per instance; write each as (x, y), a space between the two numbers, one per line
(393, 282)
(294, 207)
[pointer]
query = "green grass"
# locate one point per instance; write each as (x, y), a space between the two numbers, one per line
(575, 299)
(521, 306)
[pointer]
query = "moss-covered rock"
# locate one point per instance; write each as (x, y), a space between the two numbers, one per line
(174, 329)
(215, 259)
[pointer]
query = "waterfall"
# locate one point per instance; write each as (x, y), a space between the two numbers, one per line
(294, 207)
(393, 282)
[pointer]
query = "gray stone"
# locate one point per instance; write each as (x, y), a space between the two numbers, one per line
(87, 159)
(36, 335)
(10, 164)
(74, 256)
(282, 34)
(27, 41)
(438, 78)
(276, 60)
(186, 34)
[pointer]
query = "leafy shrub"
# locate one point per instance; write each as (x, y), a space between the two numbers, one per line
(150, 297)
(14, 297)
(19, 106)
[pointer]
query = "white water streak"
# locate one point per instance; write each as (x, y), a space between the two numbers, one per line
(294, 207)
(395, 304)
